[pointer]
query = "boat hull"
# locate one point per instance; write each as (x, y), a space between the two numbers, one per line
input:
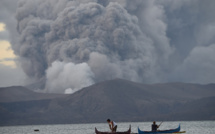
(160, 131)
(126, 132)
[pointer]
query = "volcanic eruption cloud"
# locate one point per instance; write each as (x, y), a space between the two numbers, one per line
(71, 44)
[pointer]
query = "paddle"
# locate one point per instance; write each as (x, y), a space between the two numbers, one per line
(159, 125)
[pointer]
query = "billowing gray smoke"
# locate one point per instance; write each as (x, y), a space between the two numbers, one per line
(75, 43)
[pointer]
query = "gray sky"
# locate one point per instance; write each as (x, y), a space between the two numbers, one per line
(73, 44)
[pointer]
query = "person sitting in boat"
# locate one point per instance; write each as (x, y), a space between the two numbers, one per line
(154, 126)
(112, 125)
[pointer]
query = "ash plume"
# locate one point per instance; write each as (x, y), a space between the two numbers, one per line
(75, 43)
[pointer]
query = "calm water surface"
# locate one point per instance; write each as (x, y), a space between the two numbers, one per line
(191, 127)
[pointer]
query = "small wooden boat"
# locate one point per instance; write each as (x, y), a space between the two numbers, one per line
(126, 132)
(177, 130)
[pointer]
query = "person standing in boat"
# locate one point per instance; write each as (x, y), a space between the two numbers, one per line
(154, 126)
(112, 125)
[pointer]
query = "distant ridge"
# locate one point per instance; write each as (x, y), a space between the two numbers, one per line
(117, 99)
(20, 93)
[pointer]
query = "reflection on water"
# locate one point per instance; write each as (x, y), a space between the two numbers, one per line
(191, 127)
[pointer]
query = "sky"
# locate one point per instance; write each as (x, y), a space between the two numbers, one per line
(10, 72)
(70, 44)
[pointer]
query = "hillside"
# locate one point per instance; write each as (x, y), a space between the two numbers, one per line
(117, 99)
(129, 101)
(19, 93)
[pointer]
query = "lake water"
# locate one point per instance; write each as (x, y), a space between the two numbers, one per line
(191, 127)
